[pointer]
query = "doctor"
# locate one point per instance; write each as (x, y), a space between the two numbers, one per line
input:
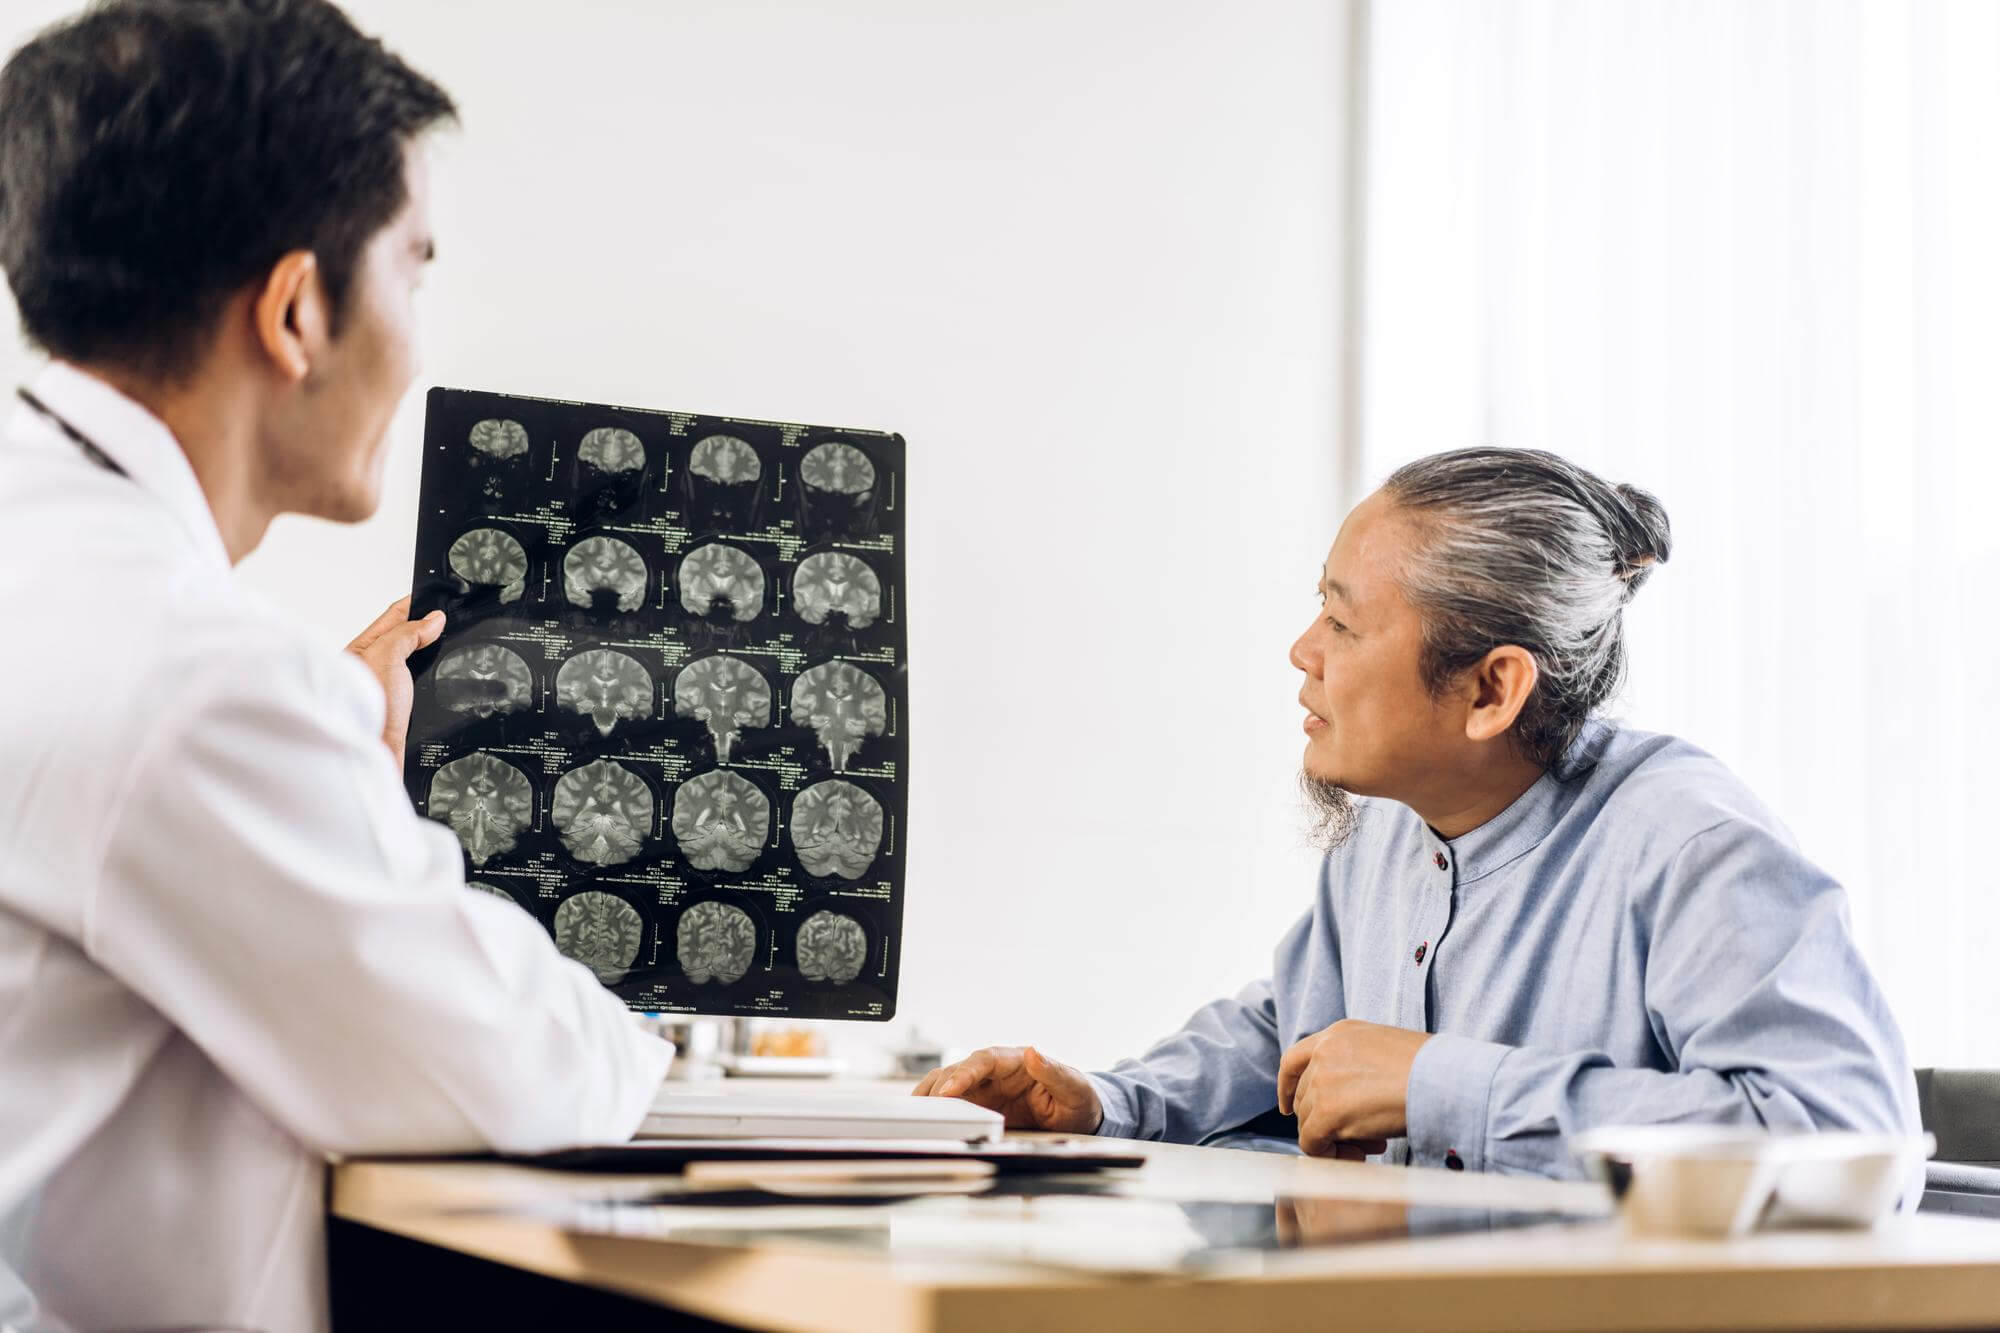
(227, 945)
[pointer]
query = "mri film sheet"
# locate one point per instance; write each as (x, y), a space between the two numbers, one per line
(668, 716)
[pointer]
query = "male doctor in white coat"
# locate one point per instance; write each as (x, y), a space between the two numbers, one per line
(227, 945)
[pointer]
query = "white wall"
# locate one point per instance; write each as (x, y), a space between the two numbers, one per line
(1084, 256)
(1742, 255)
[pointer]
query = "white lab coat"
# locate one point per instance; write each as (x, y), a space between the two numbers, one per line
(227, 945)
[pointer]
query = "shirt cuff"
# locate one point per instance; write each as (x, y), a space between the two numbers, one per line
(1451, 1082)
(1119, 1121)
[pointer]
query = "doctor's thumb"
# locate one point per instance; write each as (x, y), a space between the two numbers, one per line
(405, 639)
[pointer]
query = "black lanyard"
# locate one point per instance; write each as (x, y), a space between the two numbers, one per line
(77, 437)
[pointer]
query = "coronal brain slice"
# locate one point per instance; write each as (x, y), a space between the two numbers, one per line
(603, 811)
(720, 821)
(604, 562)
(718, 573)
(492, 557)
(725, 459)
(843, 705)
(499, 438)
(606, 686)
(832, 947)
(609, 449)
(836, 581)
(486, 801)
(484, 679)
(601, 931)
(728, 694)
(839, 468)
(481, 886)
(836, 829)
(715, 942)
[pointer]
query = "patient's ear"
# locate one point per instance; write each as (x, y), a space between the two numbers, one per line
(1498, 689)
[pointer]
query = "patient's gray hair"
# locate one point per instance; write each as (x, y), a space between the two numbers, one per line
(1518, 546)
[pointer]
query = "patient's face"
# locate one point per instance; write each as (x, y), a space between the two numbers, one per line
(1371, 725)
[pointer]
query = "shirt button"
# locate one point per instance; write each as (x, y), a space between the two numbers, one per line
(1423, 949)
(1442, 863)
(1453, 1162)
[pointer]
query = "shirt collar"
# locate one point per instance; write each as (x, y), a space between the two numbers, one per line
(1520, 828)
(137, 441)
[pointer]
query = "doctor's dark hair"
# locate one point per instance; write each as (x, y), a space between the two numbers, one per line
(1518, 546)
(157, 156)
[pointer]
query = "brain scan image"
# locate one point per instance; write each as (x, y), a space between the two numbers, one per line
(715, 942)
(601, 931)
(836, 582)
(486, 801)
(728, 694)
(483, 680)
(832, 947)
(499, 438)
(603, 811)
(725, 460)
(609, 449)
(716, 575)
(720, 820)
(606, 686)
(606, 564)
(837, 468)
(491, 558)
(843, 705)
(481, 886)
(836, 829)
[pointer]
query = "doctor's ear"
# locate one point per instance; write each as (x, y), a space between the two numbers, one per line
(291, 314)
(1497, 689)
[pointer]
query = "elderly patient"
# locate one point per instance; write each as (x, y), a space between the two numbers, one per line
(1529, 921)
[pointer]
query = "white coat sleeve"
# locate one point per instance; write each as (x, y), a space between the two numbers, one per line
(268, 888)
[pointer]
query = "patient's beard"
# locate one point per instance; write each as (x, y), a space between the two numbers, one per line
(1330, 812)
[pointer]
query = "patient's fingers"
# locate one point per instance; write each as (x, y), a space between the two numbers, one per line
(973, 1069)
(1291, 1067)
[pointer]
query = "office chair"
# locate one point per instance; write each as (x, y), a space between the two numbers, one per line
(1962, 1108)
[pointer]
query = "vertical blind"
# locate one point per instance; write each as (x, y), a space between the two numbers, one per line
(1745, 253)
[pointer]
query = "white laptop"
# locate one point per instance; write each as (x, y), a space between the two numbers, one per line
(682, 1112)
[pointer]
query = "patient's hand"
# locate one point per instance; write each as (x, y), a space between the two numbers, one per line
(1349, 1083)
(385, 647)
(1031, 1090)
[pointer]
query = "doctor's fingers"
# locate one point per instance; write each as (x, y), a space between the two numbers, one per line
(397, 614)
(393, 647)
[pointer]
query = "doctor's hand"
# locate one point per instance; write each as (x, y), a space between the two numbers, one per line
(1349, 1086)
(1031, 1090)
(385, 647)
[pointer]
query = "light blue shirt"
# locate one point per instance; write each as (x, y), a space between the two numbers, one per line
(1636, 940)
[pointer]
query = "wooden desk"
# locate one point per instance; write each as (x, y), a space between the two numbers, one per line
(1912, 1272)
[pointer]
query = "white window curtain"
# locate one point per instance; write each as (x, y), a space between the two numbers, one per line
(1745, 254)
